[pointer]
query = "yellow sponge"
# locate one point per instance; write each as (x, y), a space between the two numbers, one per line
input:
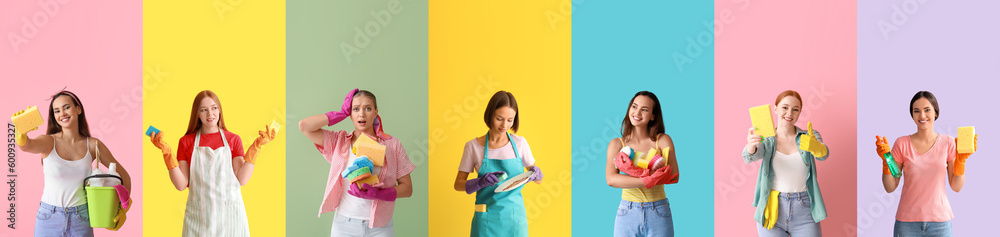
(643, 162)
(666, 154)
(370, 180)
(966, 143)
(761, 118)
(275, 126)
(365, 146)
(27, 120)
(480, 207)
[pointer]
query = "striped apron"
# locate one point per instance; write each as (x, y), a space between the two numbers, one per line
(215, 204)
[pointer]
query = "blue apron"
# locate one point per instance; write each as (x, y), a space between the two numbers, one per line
(505, 214)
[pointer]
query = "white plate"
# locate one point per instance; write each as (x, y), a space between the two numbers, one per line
(514, 182)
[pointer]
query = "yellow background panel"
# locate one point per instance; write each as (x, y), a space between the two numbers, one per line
(237, 50)
(476, 49)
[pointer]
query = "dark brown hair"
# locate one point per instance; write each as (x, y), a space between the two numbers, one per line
(194, 124)
(930, 97)
(657, 122)
(54, 127)
(499, 100)
(786, 94)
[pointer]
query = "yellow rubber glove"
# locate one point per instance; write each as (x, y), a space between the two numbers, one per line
(21, 137)
(809, 143)
(771, 210)
(960, 157)
(168, 153)
(266, 135)
(120, 218)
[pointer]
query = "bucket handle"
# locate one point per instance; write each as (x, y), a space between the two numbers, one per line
(99, 176)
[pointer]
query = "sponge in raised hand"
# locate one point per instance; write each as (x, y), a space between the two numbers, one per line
(27, 120)
(966, 140)
(152, 131)
(275, 126)
(760, 116)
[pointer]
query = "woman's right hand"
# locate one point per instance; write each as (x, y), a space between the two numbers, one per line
(752, 141)
(334, 117)
(157, 140)
(881, 146)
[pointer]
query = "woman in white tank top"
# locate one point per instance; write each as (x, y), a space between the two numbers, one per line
(68, 152)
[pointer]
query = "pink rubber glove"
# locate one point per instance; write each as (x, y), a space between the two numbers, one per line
(335, 117)
(661, 176)
(371, 192)
(624, 164)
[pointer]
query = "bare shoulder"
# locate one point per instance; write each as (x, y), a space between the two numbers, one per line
(664, 140)
(615, 144)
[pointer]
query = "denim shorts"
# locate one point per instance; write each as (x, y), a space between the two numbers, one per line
(644, 219)
(63, 221)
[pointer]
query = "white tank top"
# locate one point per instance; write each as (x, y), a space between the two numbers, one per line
(789, 172)
(64, 179)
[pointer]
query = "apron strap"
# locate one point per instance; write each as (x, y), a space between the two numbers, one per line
(486, 151)
(194, 148)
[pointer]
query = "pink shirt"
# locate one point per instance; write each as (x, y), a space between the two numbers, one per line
(472, 155)
(337, 147)
(925, 177)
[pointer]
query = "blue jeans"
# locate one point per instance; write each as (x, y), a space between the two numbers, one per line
(644, 219)
(794, 217)
(63, 221)
(345, 226)
(937, 229)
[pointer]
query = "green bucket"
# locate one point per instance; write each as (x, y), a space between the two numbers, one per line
(102, 203)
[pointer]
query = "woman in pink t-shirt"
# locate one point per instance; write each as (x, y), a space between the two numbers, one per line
(364, 210)
(926, 158)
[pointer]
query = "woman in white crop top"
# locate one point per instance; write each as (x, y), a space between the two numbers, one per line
(68, 152)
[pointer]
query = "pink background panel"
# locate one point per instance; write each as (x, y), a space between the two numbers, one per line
(93, 49)
(763, 48)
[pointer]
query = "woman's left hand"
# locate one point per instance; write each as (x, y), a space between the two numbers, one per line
(373, 192)
(266, 135)
(537, 175)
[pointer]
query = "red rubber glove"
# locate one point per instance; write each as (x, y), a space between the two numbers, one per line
(624, 164)
(661, 176)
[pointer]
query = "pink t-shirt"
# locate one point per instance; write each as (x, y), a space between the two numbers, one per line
(472, 156)
(925, 178)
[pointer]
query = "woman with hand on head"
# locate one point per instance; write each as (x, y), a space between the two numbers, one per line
(365, 210)
(926, 158)
(787, 197)
(494, 156)
(211, 162)
(644, 209)
(68, 152)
